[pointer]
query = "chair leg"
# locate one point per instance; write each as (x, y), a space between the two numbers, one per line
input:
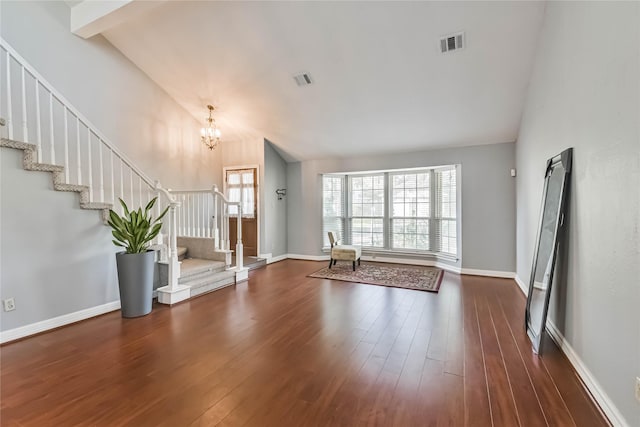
(334, 261)
(330, 262)
(358, 262)
(354, 266)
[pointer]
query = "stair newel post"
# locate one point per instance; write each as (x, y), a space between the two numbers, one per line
(239, 248)
(173, 292)
(174, 264)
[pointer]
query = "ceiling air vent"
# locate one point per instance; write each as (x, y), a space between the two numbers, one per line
(303, 79)
(452, 42)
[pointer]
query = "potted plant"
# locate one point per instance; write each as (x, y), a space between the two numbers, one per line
(134, 231)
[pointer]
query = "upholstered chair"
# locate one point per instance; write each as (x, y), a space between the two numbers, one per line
(343, 252)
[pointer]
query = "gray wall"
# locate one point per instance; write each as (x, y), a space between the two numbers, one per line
(585, 93)
(275, 212)
(487, 191)
(55, 258)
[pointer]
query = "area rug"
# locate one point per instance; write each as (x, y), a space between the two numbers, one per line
(408, 277)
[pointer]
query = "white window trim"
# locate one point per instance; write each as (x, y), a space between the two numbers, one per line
(387, 250)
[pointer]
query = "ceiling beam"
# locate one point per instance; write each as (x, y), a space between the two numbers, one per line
(89, 18)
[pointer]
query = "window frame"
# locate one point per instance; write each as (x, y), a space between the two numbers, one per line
(349, 208)
(434, 219)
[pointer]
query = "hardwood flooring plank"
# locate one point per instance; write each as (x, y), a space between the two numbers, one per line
(477, 404)
(284, 349)
(525, 396)
(553, 406)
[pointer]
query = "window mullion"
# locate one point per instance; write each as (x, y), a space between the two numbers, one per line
(386, 224)
(434, 235)
(347, 210)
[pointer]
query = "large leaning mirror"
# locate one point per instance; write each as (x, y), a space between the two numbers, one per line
(550, 234)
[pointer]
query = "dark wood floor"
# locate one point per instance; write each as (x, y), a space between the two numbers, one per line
(288, 350)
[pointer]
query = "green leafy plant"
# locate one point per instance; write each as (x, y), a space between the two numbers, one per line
(135, 229)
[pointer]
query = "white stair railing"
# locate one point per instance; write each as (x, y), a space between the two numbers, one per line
(205, 213)
(34, 112)
(195, 216)
(38, 114)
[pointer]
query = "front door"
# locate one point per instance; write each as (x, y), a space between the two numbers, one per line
(241, 184)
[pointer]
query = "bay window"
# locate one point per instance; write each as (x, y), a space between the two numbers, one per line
(413, 210)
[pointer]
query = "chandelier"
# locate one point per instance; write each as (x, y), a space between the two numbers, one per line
(210, 134)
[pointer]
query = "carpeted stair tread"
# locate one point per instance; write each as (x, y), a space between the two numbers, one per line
(71, 187)
(96, 205)
(212, 282)
(44, 167)
(11, 143)
(251, 262)
(194, 266)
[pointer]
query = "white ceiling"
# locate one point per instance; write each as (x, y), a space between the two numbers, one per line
(381, 84)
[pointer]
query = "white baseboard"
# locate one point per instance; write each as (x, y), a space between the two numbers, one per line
(282, 257)
(605, 403)
(265, 256)
(414, 261)
(56, 322)
(309, 257)
(489, 273)
(523, 286)
(598, 394)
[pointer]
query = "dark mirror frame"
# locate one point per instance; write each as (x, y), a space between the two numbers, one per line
(563, 159)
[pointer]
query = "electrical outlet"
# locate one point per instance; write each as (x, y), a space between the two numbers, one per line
(638, 389)
(9, 304)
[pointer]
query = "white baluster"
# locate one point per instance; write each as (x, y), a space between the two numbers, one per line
(78, 153)
(9, 104)
(122, 179)
(38, 124)
(25, 129)
(180, 225)
(66, 146)
(101, 170)
(192, 218)
(131, 186)
(53, 146)
(208, 215)
(199, 220)
(113, 181)
(140, 191)
(89, 156)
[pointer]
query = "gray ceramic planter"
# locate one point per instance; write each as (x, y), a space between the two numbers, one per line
(135, 279)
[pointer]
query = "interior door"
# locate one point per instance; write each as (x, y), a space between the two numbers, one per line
(242, 185)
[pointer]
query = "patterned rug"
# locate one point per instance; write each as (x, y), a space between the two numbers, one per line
(409, 277)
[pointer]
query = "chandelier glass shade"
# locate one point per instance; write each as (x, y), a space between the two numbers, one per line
(210, 134)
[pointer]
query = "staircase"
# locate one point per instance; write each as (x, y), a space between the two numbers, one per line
(202, 276)
(30, 163)
(56, 138)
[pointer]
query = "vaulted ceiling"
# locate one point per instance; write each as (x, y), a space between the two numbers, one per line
(380, 81)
